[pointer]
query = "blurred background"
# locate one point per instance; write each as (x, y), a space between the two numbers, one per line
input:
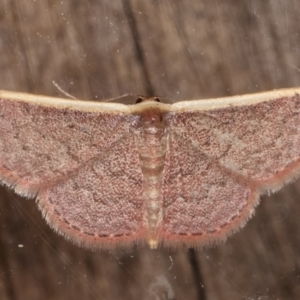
(194, 49)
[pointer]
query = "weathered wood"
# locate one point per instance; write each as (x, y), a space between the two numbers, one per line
(179, 49)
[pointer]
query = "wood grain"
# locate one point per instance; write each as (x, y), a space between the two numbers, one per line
(179, 49)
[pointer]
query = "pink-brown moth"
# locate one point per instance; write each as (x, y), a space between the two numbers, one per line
(109, 175)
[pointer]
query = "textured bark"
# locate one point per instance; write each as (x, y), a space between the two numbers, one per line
(179, 49)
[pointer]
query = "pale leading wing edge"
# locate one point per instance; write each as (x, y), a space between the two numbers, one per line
(62, 103)
(239, 100)
(250, 143)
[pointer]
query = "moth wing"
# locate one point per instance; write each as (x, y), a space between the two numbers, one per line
(223, 154)
(80, 159)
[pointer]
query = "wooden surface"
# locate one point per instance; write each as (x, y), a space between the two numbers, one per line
(181, 50)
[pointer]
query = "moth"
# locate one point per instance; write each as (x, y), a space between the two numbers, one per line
(109, 175)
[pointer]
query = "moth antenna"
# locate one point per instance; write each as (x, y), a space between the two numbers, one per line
(64, 92)
(122, 96)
